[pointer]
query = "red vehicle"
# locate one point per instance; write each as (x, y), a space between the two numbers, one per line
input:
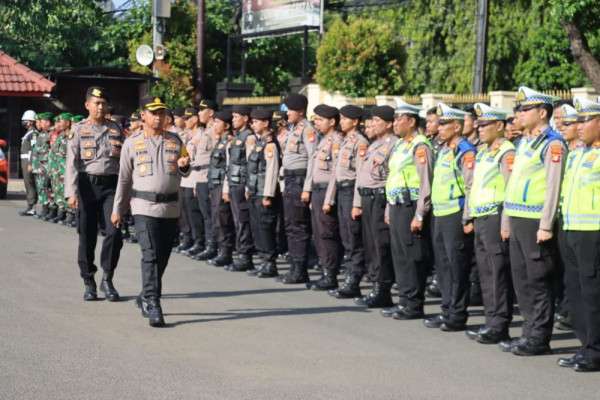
(3, 170)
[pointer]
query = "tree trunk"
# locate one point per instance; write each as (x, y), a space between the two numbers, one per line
(582, 54)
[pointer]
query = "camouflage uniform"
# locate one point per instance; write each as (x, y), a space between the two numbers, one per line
(56, 167)
(39, 162)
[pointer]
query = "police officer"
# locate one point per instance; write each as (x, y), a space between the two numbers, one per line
(531, 202)
(262, 192)
(408, 193)
(493, 165)
(234, 187)
(298, 147)
(90, 183)
(27, 142)
(580, 250)
(324, 217)
(152, 163)
(370, 185)
(453, 225)
(222, 219)
(340, 194)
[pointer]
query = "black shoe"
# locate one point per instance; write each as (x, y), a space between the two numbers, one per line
(108, 289)
(506, 346)
(294, 278)
(50, 215)
(434, 322)
(449, 326)
(243, 263)
(197, 248)
(569, 362)
(60, 216)
(69, 219)
(154, 311)
(380, 297)
(183, 246)
(268, 270)
(473, 334)
(142, 304)
(328, 281)
(349, 290)
(90, 293)
(254, 271)
(532, 347)
(491, 336)
(404, 314)
(209, 253)
(222, 260)
(586, 366)
(433, 289)
(389, 311)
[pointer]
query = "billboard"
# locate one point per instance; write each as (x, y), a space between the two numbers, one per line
(266, 16)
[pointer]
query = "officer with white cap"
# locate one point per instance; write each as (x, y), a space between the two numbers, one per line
(27, 141)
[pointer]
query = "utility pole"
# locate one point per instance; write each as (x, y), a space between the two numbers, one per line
(481, 47)
(200, 43)
(161, 9)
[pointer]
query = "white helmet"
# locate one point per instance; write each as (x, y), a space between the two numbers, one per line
(28, 115)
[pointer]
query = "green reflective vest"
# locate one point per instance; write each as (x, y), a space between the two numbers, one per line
(526, 189)
(448, 187)
(581, 191)
(487, 192)
(403, 176)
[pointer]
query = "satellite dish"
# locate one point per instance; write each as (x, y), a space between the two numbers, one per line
(144, 55)
(160, 52)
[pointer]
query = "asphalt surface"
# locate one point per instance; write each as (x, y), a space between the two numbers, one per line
(230, 336)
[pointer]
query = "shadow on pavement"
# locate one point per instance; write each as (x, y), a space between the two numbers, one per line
(202, 295)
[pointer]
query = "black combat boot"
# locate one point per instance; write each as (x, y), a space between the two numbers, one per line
(296, 275)
(243, 263)
(69, 217)
(380, 297)
(60, 216)
(152, 310)
(222, 259)
(197, 248)
(90, 293)
(52, 212)
(185, 244)
(328, 281)
(350, 289)
(268, 270)
(108, 288)
(209, 253)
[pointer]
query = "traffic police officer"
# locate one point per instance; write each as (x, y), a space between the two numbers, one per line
(370, 185)
(298, 147)
(152, 163)
(531, 202)
(493, 165)
(27, 142)
(408, 193)
(580, 248)
(341, 192)
(453, 225)
(90, 183)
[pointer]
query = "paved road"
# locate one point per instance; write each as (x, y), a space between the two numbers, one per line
(231, 337)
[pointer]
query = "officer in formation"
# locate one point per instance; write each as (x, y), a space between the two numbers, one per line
(27, 143)
(39, 163)
(56, 166)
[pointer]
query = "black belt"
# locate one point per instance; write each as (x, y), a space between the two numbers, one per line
(102, 179)
(319, 186)
(155, 197)
(200, 167)
(294, 172)
(371, 191)
(348, 183)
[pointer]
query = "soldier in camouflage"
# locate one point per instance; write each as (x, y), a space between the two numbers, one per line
(39, 155)
(56, 165)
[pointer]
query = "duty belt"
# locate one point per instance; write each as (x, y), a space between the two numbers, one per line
(102, 179)
(155, 197)
(371, 191)
(348, 183)
(294, 172)
(319, 186)
(200, 167)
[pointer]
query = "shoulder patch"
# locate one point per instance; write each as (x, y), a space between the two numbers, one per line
(362, 149)
(556, 151)
(469, 160)
(421, 154)
(510, 160)
(270, 150)
(311, 135)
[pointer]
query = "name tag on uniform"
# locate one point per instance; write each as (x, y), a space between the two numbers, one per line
(140, 145)
(171, 145)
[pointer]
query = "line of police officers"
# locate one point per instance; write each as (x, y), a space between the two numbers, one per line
(387, 206)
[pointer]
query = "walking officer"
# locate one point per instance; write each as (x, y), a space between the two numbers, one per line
(493, 165)
(234, 187)
(580, 249)
(262, 192)
(152, 163)
(298, 147)
(370, 184)
(408, 193)
(341, 194)
(531, 202)
(325, 218)
(452, 225)
(91, 179)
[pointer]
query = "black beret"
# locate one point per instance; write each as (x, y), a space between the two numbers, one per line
(242, 110)
(296, 102)
(190, 112)
(96, 91)
(178, 112)
(224, 116)
(325, 111)
(386, 113)
(261, 113)
(207, 103)
(367, 114)
(352, 111)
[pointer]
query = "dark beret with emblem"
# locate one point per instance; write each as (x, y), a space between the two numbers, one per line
(242, 110)
(224, 116)
(190, 112)
(207, 103)
(325, 111)
(96, 91)
(261, 113)
(386, 113)
(153, 104)
(296, 102)
(351, 111)
(178, 112)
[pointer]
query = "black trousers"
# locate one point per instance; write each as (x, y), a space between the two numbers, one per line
(410, 255)
(297, 221)
(494, 273)
(581, 256)
(350, 231)
(204, 205)
(29, 182)
(561, 299)
(264, 225)
(240, 208)
(222, 220)
(532, 267)
(376, 236)
(192, 213)
(453, 252)
(155, 236)
(183, 222)
(326, 233)
(95, 208)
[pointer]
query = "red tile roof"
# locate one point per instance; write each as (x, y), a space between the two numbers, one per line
(18, 80)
